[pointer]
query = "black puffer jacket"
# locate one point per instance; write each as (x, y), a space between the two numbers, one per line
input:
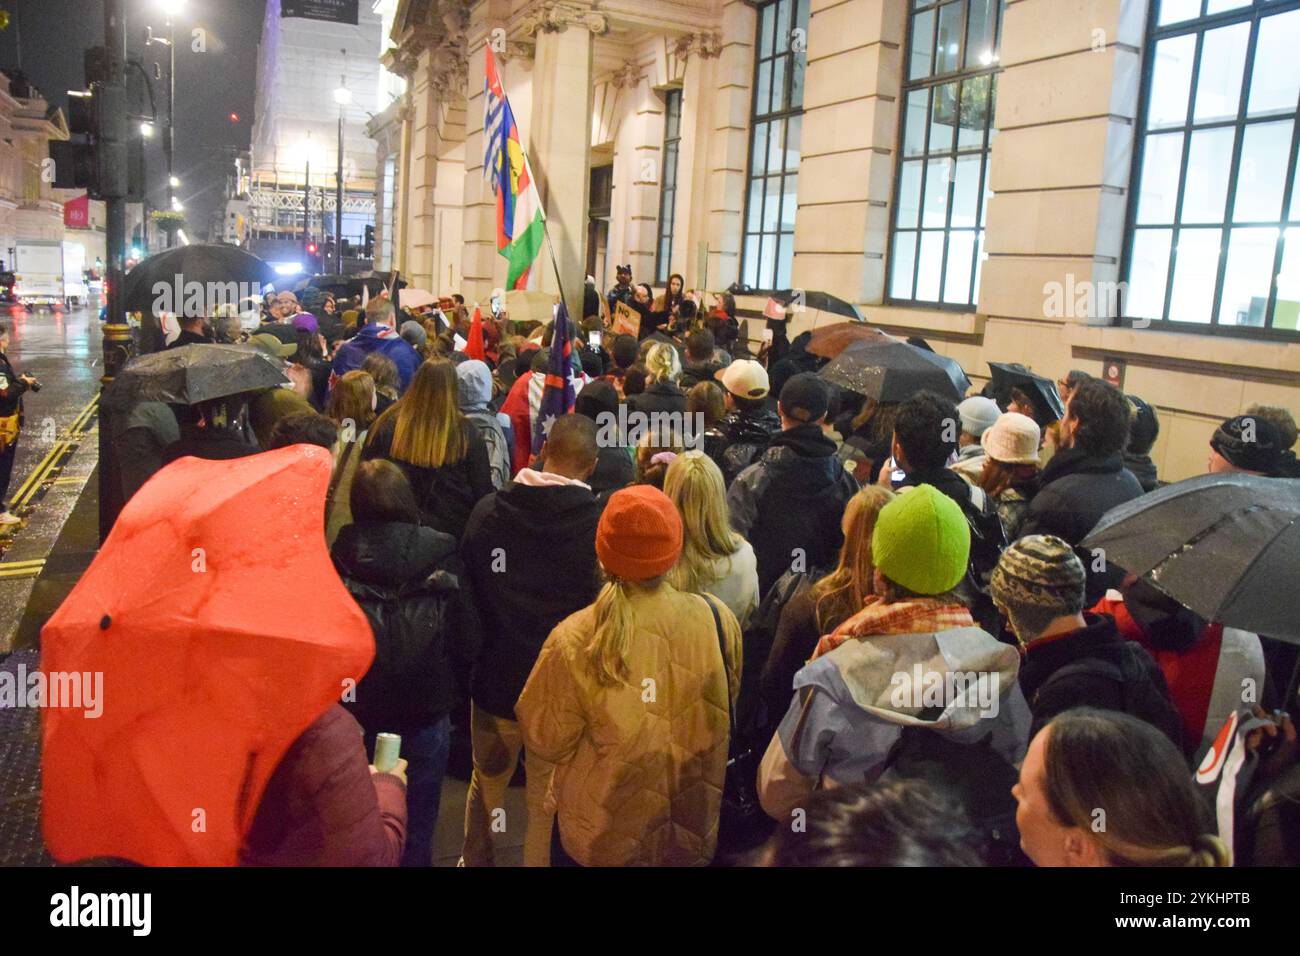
(406, 578)
(659, 397)
(743, 436)
(792, 498)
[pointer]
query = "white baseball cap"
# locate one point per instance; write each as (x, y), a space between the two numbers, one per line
(744, 378)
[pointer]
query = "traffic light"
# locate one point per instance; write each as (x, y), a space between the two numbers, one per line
(370, 242)
(311, 248)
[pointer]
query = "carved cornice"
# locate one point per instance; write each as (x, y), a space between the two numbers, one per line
(707, 45)
(556, 15)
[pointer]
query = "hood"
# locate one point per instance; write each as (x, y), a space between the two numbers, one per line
(388, 553)
(1143, 468)
(370, 336)
(947, 680)
(542, 507)
(807, 441)
(474, 380)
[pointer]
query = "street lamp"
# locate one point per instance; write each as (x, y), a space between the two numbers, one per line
(173, 181)
(146, 130)
(342, 96)
(171, 9)
(176, 205)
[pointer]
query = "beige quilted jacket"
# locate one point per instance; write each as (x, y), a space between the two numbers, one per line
(640, 767)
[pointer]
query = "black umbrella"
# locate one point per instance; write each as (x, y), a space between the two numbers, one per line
(1041, 391)
(895, 371)
(820, 301)
(1227, 546)
(194, 280)
(194, 373)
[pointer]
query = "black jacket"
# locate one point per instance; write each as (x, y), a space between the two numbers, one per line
(406, 579)
(189, 338)
(1076, 491)
(215, 444)
(11, 388)
(545, 570)
(1143, 469)
(789, 503)
(615, 469)
(659, 397)
(693, 373)
(743, 436)
(1126, 679)
(446, 495)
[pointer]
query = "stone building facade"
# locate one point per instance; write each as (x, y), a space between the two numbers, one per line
(1065, 183)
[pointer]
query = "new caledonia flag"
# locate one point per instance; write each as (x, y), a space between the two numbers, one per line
(519, 209)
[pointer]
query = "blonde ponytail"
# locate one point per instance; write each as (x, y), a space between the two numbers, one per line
(610, 645)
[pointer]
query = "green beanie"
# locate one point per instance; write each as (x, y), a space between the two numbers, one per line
(922, 541)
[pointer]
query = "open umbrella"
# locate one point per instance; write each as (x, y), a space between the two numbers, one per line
(191, 374)
(1226, 545)
(414, 298)
(895, 371)
(817, 301)
(210, 669)
(1041, 391)
(194, 280)
(829, 341)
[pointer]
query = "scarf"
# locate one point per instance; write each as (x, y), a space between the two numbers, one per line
(915, 616)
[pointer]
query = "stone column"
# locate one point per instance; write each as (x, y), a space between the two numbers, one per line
(729, 147)
(701, 52)
(559, 145)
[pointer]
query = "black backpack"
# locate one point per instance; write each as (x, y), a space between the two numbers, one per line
(988, 539)
(974, 774)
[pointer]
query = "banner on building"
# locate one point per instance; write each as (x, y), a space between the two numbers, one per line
(76, 213)
(334, 11)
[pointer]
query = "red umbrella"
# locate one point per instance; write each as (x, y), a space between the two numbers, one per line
(222, 631)
(474, 344)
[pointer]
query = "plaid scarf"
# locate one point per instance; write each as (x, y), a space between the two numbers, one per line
(918, 616)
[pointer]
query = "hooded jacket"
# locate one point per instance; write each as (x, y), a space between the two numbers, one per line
(638, 781)
(743, 436)
(852, 704)
(545, 570)
(1143, 469)
(475, 391)
(377, 338)
(405, 579)
(659, 397)
(792, 497)
(1076, 490)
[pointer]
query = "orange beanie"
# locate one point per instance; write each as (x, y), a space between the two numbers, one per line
(639, 535)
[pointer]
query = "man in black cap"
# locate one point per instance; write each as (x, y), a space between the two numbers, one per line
(621, 291)
(1143, 430)
(789, 503)
(1247, 444)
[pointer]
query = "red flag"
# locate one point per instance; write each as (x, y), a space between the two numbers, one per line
(474, 344)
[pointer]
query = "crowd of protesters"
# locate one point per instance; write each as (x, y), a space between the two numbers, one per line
(658, 629)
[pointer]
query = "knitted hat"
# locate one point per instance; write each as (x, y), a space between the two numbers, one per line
(922, 541)
(1040, 571)
(639, 535)
(1012, 439)
(977, 414)
(1250, 443)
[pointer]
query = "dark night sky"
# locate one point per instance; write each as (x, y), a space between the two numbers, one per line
(209, 86)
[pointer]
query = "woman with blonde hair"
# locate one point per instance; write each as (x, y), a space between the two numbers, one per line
(630, 699)
(352, 407)
(441, 452)
(662, 393)
(1103, 788)
(715, 559)
(828, 602)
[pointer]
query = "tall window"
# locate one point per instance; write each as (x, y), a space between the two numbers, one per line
(775, 118)
(940, 190)
(1214, 238)
(668, 184)
(386, 218)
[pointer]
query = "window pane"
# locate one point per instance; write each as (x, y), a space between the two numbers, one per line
(965, 192)
(943, 117)
(1218, 6)
(918, 104)
(776, 147)
(1194, 275)
(765, 30)
(1246, 280)
(900, 273)
(909, 194)
(759, 156)
(755, 209)
(1174, 11)
(763, 89)
(670, 166)
(1208, 164)
(1161, 159)
(1286, 313)
(1170, 81)
(772, 203)
(1148, 274)
(974, 112)
(1218, 86)
(922, 43)
(767, 263)
(1275, 80)
(751, 260)
(1262, 174)
(947, 51)
(798, 62)
(1295, 189)
(780, 94)
(961, 252)
(784, 260)
(936, 193)
(979, 34)
(793, 131)
(980, 256)
(929, 265)
(784, 8)
(789, 202)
